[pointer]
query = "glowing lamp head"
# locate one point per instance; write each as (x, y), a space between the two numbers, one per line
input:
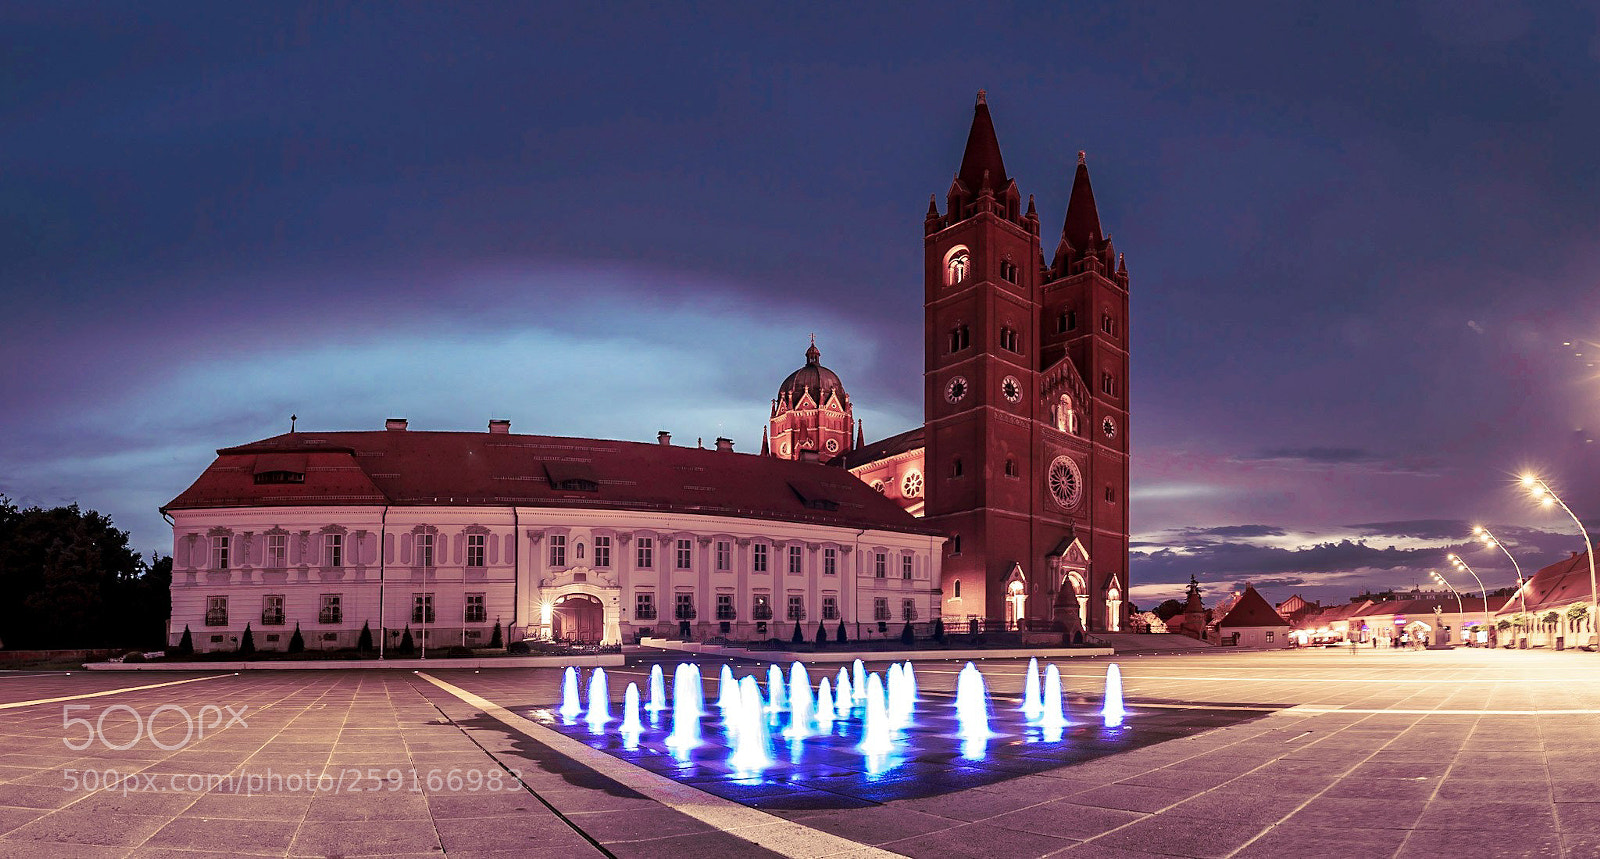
(1528, 480)
(545, 610)
(1477, 529)
(1547, 500)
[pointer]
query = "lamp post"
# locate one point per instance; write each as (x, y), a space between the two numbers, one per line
(1460, 608)
(1541, 492)
(1462, 566)
(1490, 540)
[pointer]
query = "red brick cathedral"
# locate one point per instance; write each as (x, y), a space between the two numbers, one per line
(1022, 460)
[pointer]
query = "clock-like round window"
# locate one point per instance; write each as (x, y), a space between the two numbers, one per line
(833, 445)
(1066, 482)
(911, 486)
(877, 486)
(784, 449)
(1011, 389)
(1109, 427)
(956, 389)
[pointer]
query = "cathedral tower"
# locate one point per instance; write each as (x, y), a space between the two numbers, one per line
(812, 413)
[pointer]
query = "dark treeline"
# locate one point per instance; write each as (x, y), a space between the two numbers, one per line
(68, 580)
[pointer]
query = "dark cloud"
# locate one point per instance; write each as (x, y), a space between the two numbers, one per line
(1426, 529)
(1236, 531)
(1280, 582)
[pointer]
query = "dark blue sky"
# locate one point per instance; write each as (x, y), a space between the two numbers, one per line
(1358, 240)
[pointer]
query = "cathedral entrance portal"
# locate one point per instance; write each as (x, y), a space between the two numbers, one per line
(578, 618)
(1072, 602)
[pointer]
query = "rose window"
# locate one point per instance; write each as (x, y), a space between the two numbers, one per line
(1066, 483)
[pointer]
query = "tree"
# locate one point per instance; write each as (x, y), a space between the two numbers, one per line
(839, 635)
(908, 636)
(938, 630)
(496, 640)
(407, 645)
(247, 643)
(364, 643)
(822, 635)
(186, 643)
(798, 637)
(297, 642)
(1169, 610)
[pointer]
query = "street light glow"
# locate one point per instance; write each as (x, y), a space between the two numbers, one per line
(1529, 480)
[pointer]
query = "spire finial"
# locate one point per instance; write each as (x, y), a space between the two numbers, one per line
(292, 419)
(1081, 159)
(813, 354)
(983, 96)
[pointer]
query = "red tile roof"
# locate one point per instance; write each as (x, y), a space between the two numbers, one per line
(1555, 587)
(500, 469)
(1252, 609)
(1425, 606)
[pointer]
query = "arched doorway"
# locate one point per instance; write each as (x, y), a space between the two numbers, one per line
(1072, 602)
(1113, 608)
(578, 618)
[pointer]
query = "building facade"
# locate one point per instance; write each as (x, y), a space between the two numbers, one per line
(449, 533)
(1022, 460)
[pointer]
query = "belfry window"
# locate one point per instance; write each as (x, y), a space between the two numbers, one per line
(956, 268)
(1008, 340)
(1011, 467)
(1008, 271)
(960, 338)
(1067, 321)
(955, 467)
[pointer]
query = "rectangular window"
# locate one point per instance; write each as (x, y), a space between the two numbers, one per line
(645, 553)
(1269, 635)
(758, 558)
(880, 608)
(797, 607)
(762, 608)
(216, 611)
(905, 567)
(724, 606)
(424, 550)
(272, 610)
(422, 608)
(684, 609)
(1008, 271)
(219, 552)
(476, 549)
(1108, 325)
(1067, 321)
(685, 554)
(558, 550)
(724, 556)
(333, 550)
(908, 610)
(830, 562)
(331, 609)
(602, 551)
(880, 565)
(794, 560)
(1008, 340)
(644, 606)
(277, 551)
(476, 611)
(830, 608)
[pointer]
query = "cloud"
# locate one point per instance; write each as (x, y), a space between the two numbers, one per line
(1348, 458)
(1427, 529)
(1236, 531)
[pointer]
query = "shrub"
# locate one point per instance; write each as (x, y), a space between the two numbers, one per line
(822, 635)
(908, 636)
(408, 645)
(134, 656)
(519, 647)
(495, 640)
(186, 643)
(839, 634)
(798, 637)
(247, 642)
(458, 652)
(297, 642)
(364, 643)
(938, 629)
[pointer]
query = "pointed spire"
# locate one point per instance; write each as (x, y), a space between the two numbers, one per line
(933, 206)
(859, 443)
(983, 151)
(766, 449)
(1083, 219)
(1032, 212)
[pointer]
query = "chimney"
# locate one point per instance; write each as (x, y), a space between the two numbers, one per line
(809, 454)
(664, 438)
(725, 444)
(396, 424)
(500, 427)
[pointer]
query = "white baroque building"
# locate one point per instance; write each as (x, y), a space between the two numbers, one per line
(590, 540)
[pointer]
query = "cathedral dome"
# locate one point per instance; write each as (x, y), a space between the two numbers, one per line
(813, 378)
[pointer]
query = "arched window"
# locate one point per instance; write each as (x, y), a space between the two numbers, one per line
(955, 544)
(1011, 467)
(1066, 418)
(960, 338)
(958, 589)
(955, 467)
(956, 271)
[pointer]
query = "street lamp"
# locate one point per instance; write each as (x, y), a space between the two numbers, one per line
(1462, 566)
(1541, 492)
(1460, 609)
(1490, 540)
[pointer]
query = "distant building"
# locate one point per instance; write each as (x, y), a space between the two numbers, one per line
(1252, 622)
(1562, 589)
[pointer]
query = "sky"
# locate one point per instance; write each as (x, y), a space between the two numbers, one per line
(1363, 243)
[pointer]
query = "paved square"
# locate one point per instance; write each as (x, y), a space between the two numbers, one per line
(1388, 753)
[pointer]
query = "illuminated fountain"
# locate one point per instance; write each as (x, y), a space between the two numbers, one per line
(688, 702)
(972, 712)
(911, 681)
(1032, 709)
(775, 697)
(1054, 720)
(899, 701)
(1113, 710)
(844, 697)
(799, 703)
(658, 691)
(824, 708)
(750, 739)
(599, 702)
(631, 728)
(727, 692)
(858, 681)
(875, 736)
(570, 706)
